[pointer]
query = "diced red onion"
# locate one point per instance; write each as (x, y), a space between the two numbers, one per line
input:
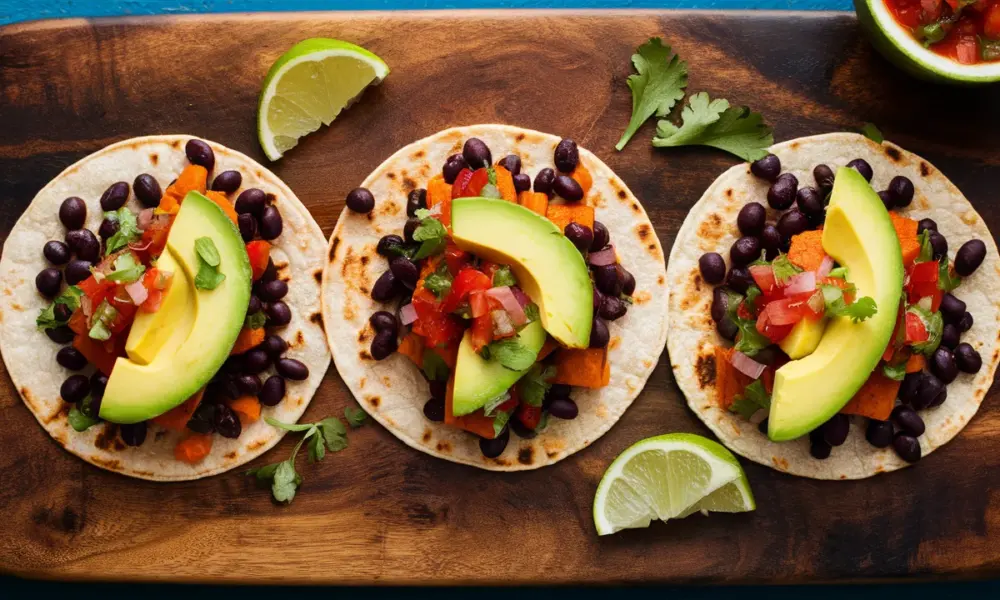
(509, 302)
(817, 303)
(140, 247)
(603, 257)
(801, 283)
(502, 326)
(522, 298)
(408, 314)
(145, 219)
(435, 211)
(825, 267)
(746, 365)
(137, 292)
(87, 306)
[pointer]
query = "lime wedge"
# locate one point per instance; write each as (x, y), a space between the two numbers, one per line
(669, 477)
(309, 86)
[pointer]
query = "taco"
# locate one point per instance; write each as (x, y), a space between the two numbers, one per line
(853, 332)
(150, 327)
(464, 301)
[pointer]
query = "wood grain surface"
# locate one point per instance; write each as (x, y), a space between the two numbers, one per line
(379, 511)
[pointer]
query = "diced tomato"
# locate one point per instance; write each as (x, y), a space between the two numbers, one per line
(510, 404)
(967, 50)
(125, 312)
(930, 10)
(461, 181)
(787, 311)
(923, 281)
(991, 22)
(479, 304)
(482, 331)
(96, 353)
(744, 312)
(776, 330)
(529, 416)
(259, 252)
(763, 276)
(916, 331)
(154, 239)
(78, 322)
(95, 290)
(436, 327)
(456, 258)
(467, 281)
(472, 186)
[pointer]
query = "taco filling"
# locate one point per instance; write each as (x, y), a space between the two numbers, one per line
(177, 306)
(502, 288)
(839, 308)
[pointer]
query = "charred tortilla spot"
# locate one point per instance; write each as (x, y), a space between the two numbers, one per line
(503, 462)
(364, 260)
(374, 401)
(17, 307)
(409, 185)
(271, 198)
(427, 436)
(154, 158)
(642, 297)
(780, 463)
(729, 193)
(364, 289)
(893, 154)
(317, 318)
(363, 355)
(230, 455)
(333, 248)
(175, 144)
(318, 275)
(712, 228)
(660, 280)
(444, 447)
(111, 465)
(622, 194)
(925, 169)
(696, 281)
(795, 145)
(519, 138)
(419, 154)
(61, 414)
(636, 207)
(705, 368)
(390, 175)
(107, 437)
(300, 339)
(652, 249)
(552, 453)
(644, 231)
(526, 455)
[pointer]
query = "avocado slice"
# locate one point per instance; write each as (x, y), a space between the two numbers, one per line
(549, 268)
(477, 380)
(175, 351)
(803, 339)
(859, 235)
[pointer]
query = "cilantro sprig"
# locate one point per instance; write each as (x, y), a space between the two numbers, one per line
(934, 324)
(128, 230)
(127, 269)
(535, 384)
(511, 353)
(714, 123)
(870, 131)
(431, 234)
(439, 282)
(70, 298)
(754, 398)
(749, 341)
(860, 310)
(208, 277)
(784, 269)
(659, 82)
(503, 276)
(328, 435)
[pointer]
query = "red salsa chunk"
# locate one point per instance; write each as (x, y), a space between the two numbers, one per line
(966, 31)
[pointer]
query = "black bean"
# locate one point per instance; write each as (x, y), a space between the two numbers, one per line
(270, 223)
(62, 312)
(411, 226)
(861, 166)
(580, 235)
(85, 244)
(147, 190)
(901, 190)
(602, 237)
(886, 199)
(598, 299)
(255, 361)
(950, 336)
(108, 228)
(56, 252)
(762, 426)
(453, 165)
(115, 196)
(727, 328)
(251, 201)
(566, 156)
(930, 390)
(720, 303)
(522, 182)
(71, 358)
(293, 369)
(712, 267)
(739, 279)
(767, 168)
(606, 279)
(879, 433)
(544, 180)
(558, 390)
(495, 447)
(563, 408)
(226, 182)
(744, 251)
(925, 224)
(405, 271)
(200, 153)
(836, 430)
(751, 219)
(818, 447)
(388, 244)
(226, 423)
(273, 391)
(824, 177)
(781, 195)
(810, 201)
(627, 279)
(61, 334)
(383, 344)
(567, 188)
(248, 384)
(969, 256)
(133, 434)
(203, 419)
(771, 240)
(952, 309)
(967, 359)
(254, 306)
(612, 308)
(98, 383)
(434, 410)
(966, 323)
(910, 387)
(384, 321)
(521, 429)
(940, 245)
(274, 290)
(49, 282)
(415, 200)
(73, 212)
(360, 200)
(599, 334)
(385, 287)
(512, 163)
(274, 345)
(907, 419)
(278, 314)
(477, 153)
(791, 224)
(439, 389)
(248, 226)
(75, 388)
(907, 447)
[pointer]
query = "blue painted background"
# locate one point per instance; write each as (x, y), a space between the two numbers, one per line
(23, 10)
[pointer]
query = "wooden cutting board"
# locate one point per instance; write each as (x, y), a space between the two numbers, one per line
(379, 511)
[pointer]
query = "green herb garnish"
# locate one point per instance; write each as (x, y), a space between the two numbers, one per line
(207, 251)
(870, 131)
(838, 273)
(491, 405)
(934, 324)
(434, 366)
(127, 269)
(503, 276)
(656, 86)
(531, 311)
(754, 398)
(714, 123)
(70, 298)
(860, 310)
(749, 341)
(784, 269)
(753, 292)
(499, 422)
(946, 280)
(439, 282)
(512, 354)
(989, 50)
(128, 230)
(355, 416)
(931, 34)
(78, 418)
(256, 320)
(926, 248)
(894, 372)
(535, 384)
(208, 277)
(431, 233)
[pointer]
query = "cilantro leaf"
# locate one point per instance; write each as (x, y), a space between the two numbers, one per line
(288, 426)
(870, 131)
(714, 123)
(931, 33)
(328, 435)
(499, 422)
(989, 50)
(512, 354)
(947, 281)
(934, 324)
(286, 482)
(207, 251)
(754, 398)
(503, 276)
(535, 384)
(208, 277)
(78, 420)
(656, 86)
(753, 292)
(860, 310)
(784, 269)
(492, 404)
(439, 282)
(926, 248)
(743, 407)
(838, 273)
(543, 423)
(749, 341)
(894, 372)
(431, 233)
(99, 331)
(531, 312)
(127, 269)
(355, 416)
(263, 474)
(317, 449)
(434, 367)
(256, 320)
(128, 230)
(334, 433)
(70, 298)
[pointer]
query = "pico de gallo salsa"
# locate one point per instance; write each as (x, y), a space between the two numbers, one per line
(966, 31)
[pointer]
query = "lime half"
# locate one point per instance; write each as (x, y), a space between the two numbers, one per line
(669, 477)
(309, 86)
